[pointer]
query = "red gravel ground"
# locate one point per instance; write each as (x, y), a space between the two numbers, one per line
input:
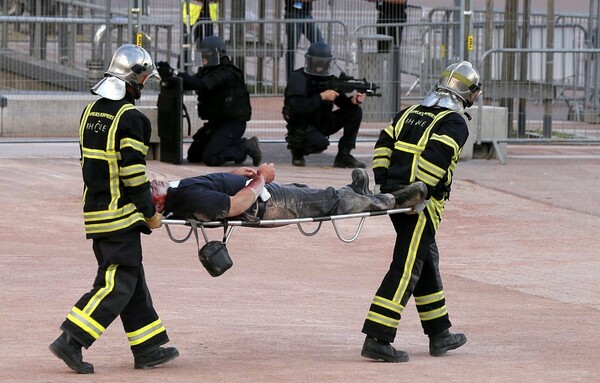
(519, 257)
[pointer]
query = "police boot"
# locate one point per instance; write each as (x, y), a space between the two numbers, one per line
(69, 350)
(253, 150)
(360, 182)
(410, 195)
(345, 160)
(381, 350)
(298, 157)
(441, 343)
(155, 357)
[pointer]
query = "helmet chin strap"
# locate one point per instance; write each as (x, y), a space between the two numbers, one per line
(134, 91)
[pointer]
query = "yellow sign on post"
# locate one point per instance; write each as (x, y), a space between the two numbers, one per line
(139, 39)
(470, 42)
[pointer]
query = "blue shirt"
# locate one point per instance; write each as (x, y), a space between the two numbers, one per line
(205, 198)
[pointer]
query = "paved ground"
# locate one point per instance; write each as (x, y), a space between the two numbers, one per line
(519, 257)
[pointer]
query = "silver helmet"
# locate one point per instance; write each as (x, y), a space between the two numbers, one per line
(457, 89)
(130, 64)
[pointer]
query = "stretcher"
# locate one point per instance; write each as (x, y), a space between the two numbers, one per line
(229, 225)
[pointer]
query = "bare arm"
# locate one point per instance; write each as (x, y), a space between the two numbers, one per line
(241, 202)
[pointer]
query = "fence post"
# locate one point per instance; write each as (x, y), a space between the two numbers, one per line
(3, 104)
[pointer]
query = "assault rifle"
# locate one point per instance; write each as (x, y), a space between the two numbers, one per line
(348, 84)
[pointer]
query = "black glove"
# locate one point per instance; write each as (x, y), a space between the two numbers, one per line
(164, 69)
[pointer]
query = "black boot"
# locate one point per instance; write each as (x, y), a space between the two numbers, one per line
(360, 182)
(298, 158)
(69, 350)
(154, 358)
(410, 195)
(346, 160)
(253, 150)
(441, 343)
(382, 350)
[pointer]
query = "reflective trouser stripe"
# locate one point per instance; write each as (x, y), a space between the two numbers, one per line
(145, 333)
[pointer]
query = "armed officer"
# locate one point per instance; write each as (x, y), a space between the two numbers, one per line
(224, 102)
(308, 111)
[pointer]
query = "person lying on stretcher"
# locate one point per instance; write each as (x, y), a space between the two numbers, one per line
(251, 194)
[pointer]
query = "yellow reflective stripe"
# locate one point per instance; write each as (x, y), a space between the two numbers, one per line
(433, 314)
(447, 140)
(113, 167)
(411, 257)
(389, 131)
(380, 163)
(387, 304)
(135, 181)
(131, 170)
(100, 154)
(145, 333)
(407, 147)
(382, 151)
(435, 208)
(426, 177)
(116, 225)
(103, 215)
(128, 142)
(431, 168)
(109, 285)
(83, 121)
(400, 123)
(112, 131)
(383, 320)
(428, 299)
(86, 323)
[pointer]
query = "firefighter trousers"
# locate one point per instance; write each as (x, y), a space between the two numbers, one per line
(414, 271)
(118, 290)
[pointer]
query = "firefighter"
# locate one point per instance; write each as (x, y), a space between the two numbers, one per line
(117, 208)
(422, 143)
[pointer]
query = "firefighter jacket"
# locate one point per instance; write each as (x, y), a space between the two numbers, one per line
(421, 144)
(222, 93)
(113, 140)
(303, 105)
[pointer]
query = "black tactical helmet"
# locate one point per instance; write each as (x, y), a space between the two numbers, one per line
(318, 60)
(212, 48)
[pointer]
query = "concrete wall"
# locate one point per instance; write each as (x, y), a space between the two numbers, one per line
(57, 116)
(494, 125)
(42, 116)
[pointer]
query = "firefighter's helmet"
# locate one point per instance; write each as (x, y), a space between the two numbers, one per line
(130, 64)
(457, 89)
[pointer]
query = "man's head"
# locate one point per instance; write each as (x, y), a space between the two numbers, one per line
(457, 89)
(212, 48)
(159, 194)
(130, 67)
(318, 60)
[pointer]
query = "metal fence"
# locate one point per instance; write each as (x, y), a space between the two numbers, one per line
(61, 47)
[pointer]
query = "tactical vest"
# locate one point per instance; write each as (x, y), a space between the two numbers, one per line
(229, 98)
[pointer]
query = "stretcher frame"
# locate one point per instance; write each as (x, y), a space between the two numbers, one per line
(230, 225)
